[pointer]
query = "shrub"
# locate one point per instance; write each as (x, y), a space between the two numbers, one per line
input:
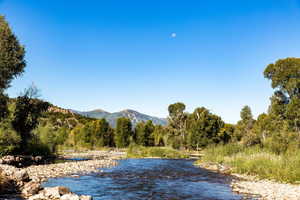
(9, 141)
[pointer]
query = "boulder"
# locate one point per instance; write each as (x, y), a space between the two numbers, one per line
(21, 175)
(55, 192)
(38, 197)
(70, 197)
(31, 188)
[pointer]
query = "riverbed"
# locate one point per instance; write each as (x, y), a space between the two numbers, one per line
(151, 179)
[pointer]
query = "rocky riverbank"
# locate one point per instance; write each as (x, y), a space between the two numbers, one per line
(111, 154)
(252, 186)
(27, 181)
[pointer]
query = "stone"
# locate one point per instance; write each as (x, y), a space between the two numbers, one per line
(63, 190)
(70, 197)
(51, 192)
(85, 197)
(21, 175)
(37, 197)
(31, 188)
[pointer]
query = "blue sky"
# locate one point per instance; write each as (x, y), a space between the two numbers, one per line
(115, 55)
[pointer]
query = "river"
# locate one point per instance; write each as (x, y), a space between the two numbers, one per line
(151, 179)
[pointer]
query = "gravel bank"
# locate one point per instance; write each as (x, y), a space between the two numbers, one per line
(252, 186)
(265, 189)
(27, 181)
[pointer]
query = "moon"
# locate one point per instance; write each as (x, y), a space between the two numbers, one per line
(173, 35)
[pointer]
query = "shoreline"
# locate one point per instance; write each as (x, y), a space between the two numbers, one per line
(252, 186)
(28, 180)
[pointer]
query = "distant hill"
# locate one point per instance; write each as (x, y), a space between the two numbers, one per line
(133, 115)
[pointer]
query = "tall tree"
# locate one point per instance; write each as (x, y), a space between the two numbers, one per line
(245, 125)
(285, 103)
(12, 61)
(123, 132)
(103, 133)
(285, 76)
(27, 112)
(203, 128)
(144, 133)
(177, 124)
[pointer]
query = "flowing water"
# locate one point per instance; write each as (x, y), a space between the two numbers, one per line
(151, 179)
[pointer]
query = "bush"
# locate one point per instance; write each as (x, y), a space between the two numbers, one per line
(9, 141)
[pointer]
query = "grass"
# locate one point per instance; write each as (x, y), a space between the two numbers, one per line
(257, 161)
(136, 151)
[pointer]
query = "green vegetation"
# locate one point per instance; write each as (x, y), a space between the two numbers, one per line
(137, 151)
(256, 161)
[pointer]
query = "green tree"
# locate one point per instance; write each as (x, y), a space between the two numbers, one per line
(245, 125)
(27, 112)
(144, 133)
(123, 133)
(285, 76)
(12, 61)
(203, 128)
(177, 125)
(103, 133)
(160, 135)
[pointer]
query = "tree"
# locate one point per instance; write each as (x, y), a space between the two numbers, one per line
(143, 133)
(203, 128)
(103, 133)
(123, 132)
(160, 135)
(246, 114)
(225, 133)
(285, 103)
(245, 125)
(12, 61)
(177, 124)
(285, 76)
(27, 112)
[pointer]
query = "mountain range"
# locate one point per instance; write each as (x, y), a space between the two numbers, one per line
(133, 115)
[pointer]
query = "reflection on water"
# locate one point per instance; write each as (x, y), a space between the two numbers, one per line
(151, 179)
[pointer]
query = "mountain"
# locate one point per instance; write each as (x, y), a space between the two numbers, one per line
(133, 115)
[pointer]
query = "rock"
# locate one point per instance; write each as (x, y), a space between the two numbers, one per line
(37, 197)
(70, 197)
(63, 190)
(51, 192)
(85, 197)
(31, 188)
(21, 175)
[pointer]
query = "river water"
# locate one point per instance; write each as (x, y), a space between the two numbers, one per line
(151, 179)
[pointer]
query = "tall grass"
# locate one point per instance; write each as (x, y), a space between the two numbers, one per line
(257, 161)
(136, 151)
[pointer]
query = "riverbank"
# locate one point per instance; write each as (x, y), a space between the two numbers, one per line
(253, 186)
(256, 171)
(27, 181)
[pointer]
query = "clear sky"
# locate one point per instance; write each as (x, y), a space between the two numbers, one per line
(145, 55)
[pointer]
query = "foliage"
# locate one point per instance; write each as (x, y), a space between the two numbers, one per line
(177, 125)
(12, 54)
(144, 133)
(123, 133)
(9, 139)
(12, 62)
(203, 128)
(26, 115)
(256, 161)
(137, 151)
